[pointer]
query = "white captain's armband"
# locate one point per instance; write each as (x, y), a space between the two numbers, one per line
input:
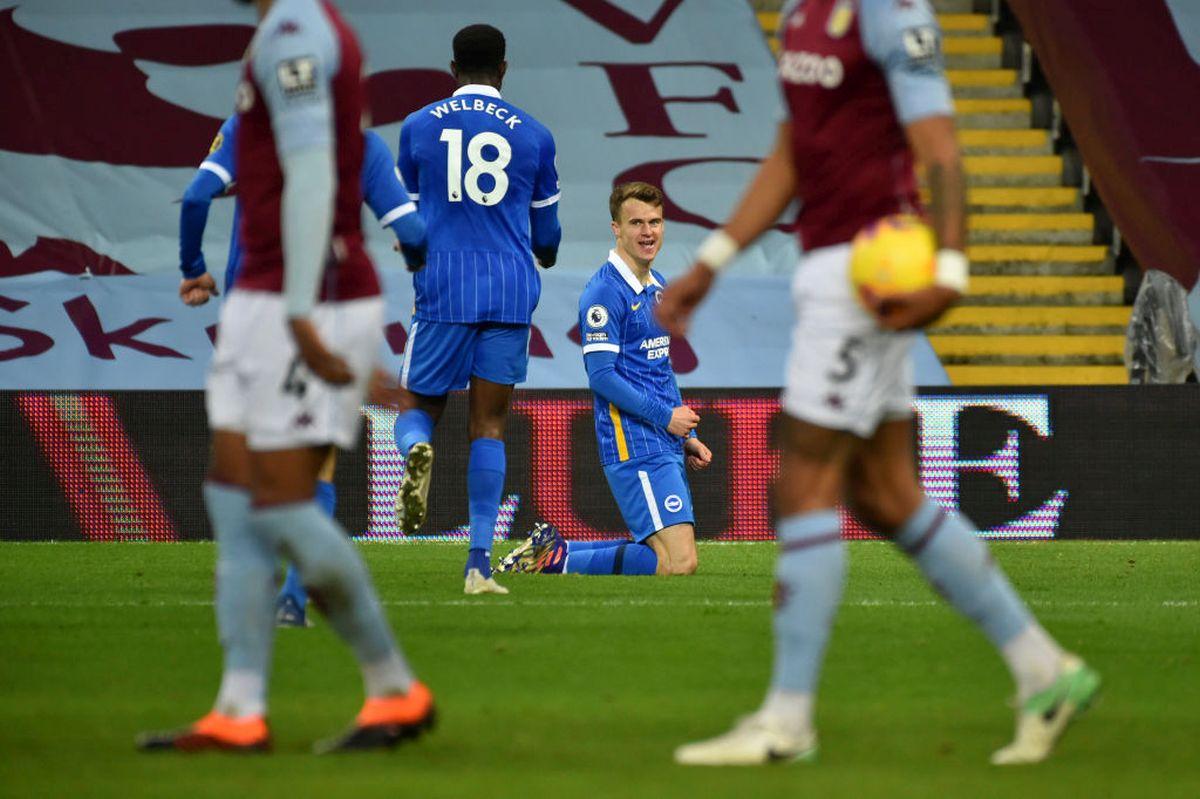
(952, 270)
(717, 250)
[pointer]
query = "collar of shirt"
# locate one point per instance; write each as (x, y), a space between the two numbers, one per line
(478, 88)
(625, 272)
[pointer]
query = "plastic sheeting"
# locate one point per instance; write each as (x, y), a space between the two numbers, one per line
(1161, 343)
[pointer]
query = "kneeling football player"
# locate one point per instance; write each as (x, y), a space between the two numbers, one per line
(644, 430)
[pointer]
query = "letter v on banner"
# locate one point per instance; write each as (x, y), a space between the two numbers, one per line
(624, 24)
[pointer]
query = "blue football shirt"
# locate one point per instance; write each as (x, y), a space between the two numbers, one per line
(616, 314)
(382, 191)
(477, 166)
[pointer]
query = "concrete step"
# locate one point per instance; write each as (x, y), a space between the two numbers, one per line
(953, 6)
(1037, 199)
(1037, 375)
(1034, 320)
(1005, 142)
(1013, 170)
(1037, 259)
(1000, 112)
(984, 83)
(1044, 290)
(972, 52)
(1031, 228)
(965, 24)
(1029, 350)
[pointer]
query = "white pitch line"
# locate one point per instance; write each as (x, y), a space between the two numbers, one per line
(601, 603)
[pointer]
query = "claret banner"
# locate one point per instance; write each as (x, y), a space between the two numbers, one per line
(109, 107)
(1054, 463)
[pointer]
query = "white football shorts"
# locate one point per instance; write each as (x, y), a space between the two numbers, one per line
(844, 371)
(259, 386)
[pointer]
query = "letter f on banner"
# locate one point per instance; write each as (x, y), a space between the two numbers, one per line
(941, 466)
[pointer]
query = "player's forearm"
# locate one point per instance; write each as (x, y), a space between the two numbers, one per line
(936, 149)
(409, 229)
(607, 384)
(410, 232)
(545, 234)
(193, 218)
(947, 182)
(307, 222)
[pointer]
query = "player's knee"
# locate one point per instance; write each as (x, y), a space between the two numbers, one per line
(879, 510)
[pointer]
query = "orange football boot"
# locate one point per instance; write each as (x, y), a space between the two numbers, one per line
(214, 731)
(385, 721)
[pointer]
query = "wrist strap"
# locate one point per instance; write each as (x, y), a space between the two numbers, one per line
(717, 250)
(952, 270)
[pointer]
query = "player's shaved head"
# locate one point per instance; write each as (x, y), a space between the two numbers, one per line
(634, 190)
(479, 50)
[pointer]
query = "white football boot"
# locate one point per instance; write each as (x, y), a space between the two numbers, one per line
(1043, 717)
(476, 583)
(753, 741)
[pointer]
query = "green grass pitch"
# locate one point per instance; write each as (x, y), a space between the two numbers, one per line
(579, 687)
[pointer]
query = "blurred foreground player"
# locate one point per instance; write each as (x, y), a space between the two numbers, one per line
(483, 173)
(287, 380)
(217, 175)
(864, 86)
(643, 428)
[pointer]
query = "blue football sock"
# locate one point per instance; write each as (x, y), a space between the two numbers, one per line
(411, 428)
(485, 484)
(293, 587)
(326, 497)
(245, 598)
(341, 588)
(624, 558)
(583, 546)
(959, 566)
(809, 576)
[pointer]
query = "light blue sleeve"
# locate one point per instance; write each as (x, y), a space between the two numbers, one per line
(904, 39)
(295, 58)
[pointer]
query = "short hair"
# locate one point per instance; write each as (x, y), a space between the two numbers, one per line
(479, 49)
(634, 190)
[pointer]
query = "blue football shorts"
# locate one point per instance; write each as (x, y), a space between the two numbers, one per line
(652, 493)
(440, 357)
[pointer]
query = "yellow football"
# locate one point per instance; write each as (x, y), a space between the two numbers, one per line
(893, 255)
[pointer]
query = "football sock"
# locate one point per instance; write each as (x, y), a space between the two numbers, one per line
(341, 588)
(485, 484)
(412, 427)
(245, 601)
(957, 563)
(809, 575)
(789, 710)
(624, 558)
(1033, 657)
(326, 497)
(242, 693)
(292, 587)
(608, 543)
